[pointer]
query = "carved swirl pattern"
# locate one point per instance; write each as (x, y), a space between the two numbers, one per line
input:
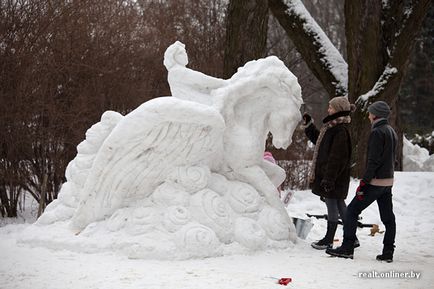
(243, 198)
(209, 209)
(192, 178)
(175, 217)
(198, 238)
(168, 194)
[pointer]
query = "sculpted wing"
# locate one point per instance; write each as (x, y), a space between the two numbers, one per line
(142, 150)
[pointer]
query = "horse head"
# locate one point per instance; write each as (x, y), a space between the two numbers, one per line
(263, 96)
(284, 118)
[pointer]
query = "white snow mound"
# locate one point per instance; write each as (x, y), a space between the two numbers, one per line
(416, 158)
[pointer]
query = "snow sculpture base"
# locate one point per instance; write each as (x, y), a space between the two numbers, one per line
(183, 176)
(174, 225)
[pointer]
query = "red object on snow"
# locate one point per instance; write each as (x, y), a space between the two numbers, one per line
(284, 281)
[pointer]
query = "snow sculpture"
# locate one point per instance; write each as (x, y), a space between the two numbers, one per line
(186, 83)
(183, 176)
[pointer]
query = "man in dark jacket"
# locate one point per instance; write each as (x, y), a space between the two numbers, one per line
(376, 185)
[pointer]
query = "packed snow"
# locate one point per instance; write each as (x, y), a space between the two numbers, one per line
(416, 158)
(30, 266)
(182, 176)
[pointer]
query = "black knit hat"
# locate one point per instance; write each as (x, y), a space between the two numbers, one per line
(379, 109)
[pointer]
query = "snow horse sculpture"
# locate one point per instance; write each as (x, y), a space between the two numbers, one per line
(187, 168)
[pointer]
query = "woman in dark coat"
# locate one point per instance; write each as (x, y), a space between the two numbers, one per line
(329, 176)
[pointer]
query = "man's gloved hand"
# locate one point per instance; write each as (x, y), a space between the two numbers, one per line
(360, 189)
(361, 186)
(306, 118)
(327, 186)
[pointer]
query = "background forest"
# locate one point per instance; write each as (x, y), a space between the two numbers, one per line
(63, 63)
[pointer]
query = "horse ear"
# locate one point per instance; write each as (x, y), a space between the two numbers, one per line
(171, 53)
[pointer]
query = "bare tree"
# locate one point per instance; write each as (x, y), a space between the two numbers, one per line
(379, 40)
(63, 63)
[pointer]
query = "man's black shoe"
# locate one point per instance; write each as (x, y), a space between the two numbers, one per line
(386, 256)
(341, 252)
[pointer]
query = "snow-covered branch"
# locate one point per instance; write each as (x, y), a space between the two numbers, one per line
(331, 58)
(312, 43)
(379, 87)
(399, 26)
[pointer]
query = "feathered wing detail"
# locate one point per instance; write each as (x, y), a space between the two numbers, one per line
(142, 150)
(78, 170)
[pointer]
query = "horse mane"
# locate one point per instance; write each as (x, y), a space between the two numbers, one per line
(268, 73)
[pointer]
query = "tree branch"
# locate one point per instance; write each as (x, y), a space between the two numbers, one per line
(399, 53)
(404, 41)
(380, 86)
(322, 57)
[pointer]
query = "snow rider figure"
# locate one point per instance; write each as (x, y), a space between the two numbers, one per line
(329, 175)
(376, 185)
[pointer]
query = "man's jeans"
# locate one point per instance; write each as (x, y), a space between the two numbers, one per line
(383, 196)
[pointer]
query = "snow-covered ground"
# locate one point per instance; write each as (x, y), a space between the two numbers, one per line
(23, 266)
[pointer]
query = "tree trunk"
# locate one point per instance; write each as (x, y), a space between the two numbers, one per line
(378, 52)
(363, 33)
(320, 55)
(246, 33)
(42, 201)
